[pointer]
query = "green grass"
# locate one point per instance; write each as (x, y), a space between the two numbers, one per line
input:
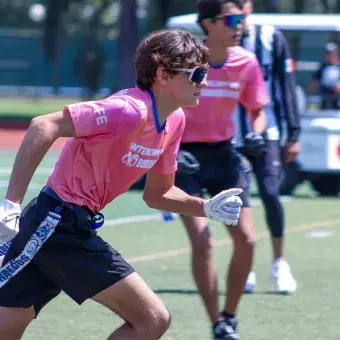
(311, 313)
(27, 108)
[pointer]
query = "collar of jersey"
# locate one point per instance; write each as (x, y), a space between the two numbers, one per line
(217, 66)
(155, 113)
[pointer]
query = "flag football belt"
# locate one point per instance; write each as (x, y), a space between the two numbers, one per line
(97, 219)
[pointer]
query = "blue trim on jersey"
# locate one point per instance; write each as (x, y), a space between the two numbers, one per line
(219, 65)
(155, 112)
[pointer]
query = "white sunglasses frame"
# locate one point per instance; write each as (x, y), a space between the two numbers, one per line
(191, 71)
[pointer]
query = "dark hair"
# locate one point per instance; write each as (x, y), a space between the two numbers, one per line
(170, 49)
(211, 8)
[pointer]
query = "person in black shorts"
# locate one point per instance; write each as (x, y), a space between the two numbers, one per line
(113, 142)
(234, 77)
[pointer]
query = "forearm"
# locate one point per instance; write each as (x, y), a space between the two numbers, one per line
(258, 120)
(176, 200)
(37, 141)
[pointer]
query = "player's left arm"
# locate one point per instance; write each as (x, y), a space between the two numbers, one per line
(254, 97)
(258, 120)
(286, 77)
(161, 193)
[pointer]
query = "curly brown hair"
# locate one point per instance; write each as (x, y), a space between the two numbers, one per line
(171, 49)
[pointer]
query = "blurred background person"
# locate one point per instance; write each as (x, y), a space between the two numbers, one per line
(327, 77)
(274, 56)
(88, 68)
(234, 76)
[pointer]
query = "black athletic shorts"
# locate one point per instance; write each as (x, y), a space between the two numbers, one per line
(48, 257)
(221, 168)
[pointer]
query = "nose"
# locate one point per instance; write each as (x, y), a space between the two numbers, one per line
(203, 84)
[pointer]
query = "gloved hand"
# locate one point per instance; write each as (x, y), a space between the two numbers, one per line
(187, 163)
(9, 220)
(254, 144)
(224, 207)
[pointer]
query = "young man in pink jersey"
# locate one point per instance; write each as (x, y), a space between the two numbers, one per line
(234, 77)
(112, 143)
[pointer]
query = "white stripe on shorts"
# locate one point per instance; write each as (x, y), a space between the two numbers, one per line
(33, 245)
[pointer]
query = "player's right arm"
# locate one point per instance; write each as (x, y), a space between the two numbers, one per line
(113, 116)
(40, 136)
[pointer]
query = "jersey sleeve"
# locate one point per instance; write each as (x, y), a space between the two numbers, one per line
(254, 94)
(167, 163)
(114, 116)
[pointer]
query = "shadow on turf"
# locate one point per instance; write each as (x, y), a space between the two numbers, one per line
(195, 292)
(268, 292)
(177, 291)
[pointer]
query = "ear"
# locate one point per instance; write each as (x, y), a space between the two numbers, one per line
(207, 24)
(162, 75)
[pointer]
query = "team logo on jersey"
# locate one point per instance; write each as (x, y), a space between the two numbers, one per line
(134, 157)
(130, 159)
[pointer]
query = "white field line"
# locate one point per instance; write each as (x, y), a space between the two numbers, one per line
(157, 217)
(7, 171)
(218, 243)
(32, 186)
(176, 252)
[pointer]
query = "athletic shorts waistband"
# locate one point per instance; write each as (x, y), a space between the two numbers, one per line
(47, 190)
(219, 144)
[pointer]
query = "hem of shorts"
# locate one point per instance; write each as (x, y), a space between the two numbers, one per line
(106, 285)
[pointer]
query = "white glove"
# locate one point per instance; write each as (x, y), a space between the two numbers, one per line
(224, 207)
(9, 220)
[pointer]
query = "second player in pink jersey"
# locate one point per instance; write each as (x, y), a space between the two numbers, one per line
(113, 142)
(234, 77)
(237, 80)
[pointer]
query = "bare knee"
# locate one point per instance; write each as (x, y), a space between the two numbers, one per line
(163, 321)
(243, 235)
(201, 243)
(155, 325)
(245, 243)
(244, 239)
(13, 322)
(202, 248)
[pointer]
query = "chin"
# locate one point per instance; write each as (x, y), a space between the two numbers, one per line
(192, 103)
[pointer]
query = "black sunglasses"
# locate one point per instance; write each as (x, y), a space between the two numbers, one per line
(230, 20)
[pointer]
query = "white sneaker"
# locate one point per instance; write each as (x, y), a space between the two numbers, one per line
(282, 277)
(251, 283)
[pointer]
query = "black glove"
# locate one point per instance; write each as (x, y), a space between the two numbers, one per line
(187, 163)
(254, 144)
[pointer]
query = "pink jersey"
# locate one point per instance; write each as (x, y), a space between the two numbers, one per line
(118, 139)
(239, 79)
